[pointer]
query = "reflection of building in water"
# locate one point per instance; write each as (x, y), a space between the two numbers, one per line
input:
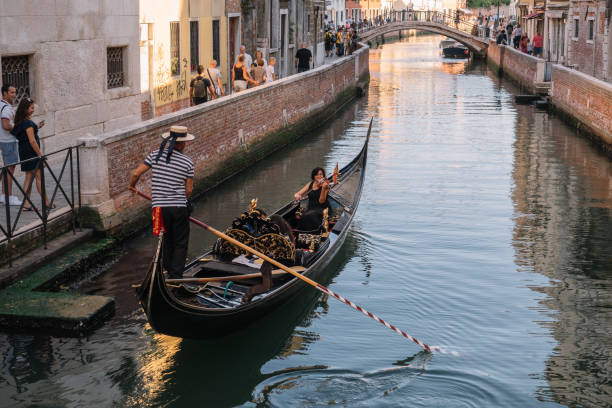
(567, 238)
(453, 68)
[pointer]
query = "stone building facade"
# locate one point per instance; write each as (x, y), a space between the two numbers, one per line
(78, 60)
(590, 38)
(279, 27)
(176, 37)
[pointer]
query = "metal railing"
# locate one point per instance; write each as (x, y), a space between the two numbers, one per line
(452, 20)
(61, 178)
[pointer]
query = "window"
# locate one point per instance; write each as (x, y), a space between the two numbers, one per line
(576, 27)
(216, 42)
(175, 51)
(194, 44)
(16, 72)
(115, 76)
(591, 30)
(308, 23)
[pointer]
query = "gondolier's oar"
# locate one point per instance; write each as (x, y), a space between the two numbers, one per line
(275, 272)
(312, 283)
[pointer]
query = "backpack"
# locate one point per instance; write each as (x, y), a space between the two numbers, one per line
(199, 87)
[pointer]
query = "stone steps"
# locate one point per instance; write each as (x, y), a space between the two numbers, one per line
(33, 303)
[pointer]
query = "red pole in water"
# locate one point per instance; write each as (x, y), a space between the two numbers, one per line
(314, 284)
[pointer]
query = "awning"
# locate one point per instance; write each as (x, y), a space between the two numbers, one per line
(466, 11)
(533, 15)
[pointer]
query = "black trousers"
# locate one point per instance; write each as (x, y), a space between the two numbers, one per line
(176, 239)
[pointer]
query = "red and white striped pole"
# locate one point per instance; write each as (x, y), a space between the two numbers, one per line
(313, 283)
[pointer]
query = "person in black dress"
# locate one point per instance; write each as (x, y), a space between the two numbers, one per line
(317, 191)
(26, 132)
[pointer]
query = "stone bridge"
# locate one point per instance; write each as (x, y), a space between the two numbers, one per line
(477, 45)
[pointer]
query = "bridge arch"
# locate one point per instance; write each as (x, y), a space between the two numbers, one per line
(476, 44)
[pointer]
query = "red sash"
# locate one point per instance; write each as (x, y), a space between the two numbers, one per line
(158, 221)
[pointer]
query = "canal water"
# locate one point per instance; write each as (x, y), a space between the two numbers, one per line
(484, 227)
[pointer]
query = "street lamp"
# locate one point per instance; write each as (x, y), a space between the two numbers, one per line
(497, 19)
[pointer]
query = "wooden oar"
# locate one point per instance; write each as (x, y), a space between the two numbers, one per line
(275, 272)
(312, 283)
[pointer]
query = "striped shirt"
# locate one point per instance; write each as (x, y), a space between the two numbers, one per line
(169, 178)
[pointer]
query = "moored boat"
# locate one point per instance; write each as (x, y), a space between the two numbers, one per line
(454, 49)
(216, 307)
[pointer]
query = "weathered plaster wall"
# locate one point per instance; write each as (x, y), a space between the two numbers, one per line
(231, 133)
(66, 42)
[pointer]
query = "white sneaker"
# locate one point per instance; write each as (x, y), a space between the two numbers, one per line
(14, 201)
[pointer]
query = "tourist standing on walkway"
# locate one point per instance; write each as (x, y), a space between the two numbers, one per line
(26, 132)
(339, 43)
(537, 43)
(8, 143)
(240, 75)
(172, 184)
(259, 73)
(303, 58)
(329, 42)
(199, 88)
(248, 60)
(270, 75)
(215, 77)
(517, 36)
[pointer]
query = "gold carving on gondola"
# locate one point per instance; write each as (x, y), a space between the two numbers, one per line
(325, 223)
(253, 204)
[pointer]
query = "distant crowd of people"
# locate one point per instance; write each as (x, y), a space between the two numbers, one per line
(342, 39)
(510, 33)
(246, 73)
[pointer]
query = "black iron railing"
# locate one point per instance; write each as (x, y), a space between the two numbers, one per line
(59, 176)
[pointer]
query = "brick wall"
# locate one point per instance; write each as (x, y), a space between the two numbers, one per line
(588, 56)
(520, 67)
(230, 133)
(584, 98)
(233, 6)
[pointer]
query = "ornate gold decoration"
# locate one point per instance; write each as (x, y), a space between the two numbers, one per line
(325, 222)
(253, 204)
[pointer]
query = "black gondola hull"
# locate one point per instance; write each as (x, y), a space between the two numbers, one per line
(169, 315)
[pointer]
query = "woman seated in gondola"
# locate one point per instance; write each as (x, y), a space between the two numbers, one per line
(317, 191)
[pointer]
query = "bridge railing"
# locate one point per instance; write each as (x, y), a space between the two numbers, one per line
(452, 19)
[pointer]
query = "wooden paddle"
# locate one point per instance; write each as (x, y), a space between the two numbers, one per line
(312, 283)
(275, 272)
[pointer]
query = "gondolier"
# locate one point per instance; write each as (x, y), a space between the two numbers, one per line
(172, 184)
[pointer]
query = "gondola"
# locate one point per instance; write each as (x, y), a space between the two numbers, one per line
(216, 308)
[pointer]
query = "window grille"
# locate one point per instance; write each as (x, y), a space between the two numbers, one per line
(216, 44)
(576, 27)
(115, 76)
(175, 52)
(16, 72)
(194, 44)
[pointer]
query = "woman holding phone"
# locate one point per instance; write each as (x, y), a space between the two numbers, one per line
(26, 132)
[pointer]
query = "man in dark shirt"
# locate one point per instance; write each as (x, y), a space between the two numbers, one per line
(303, 58)
(199, 88)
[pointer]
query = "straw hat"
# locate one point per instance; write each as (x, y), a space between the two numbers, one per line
(181, 131)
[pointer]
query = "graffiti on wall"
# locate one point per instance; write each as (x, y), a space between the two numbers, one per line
(170, 88)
